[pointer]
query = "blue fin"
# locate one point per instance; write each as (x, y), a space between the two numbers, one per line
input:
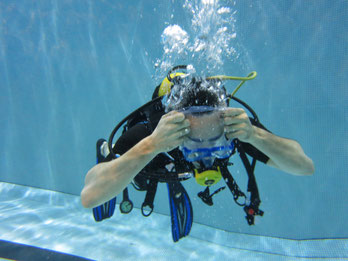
(180, 210)
(107, 209)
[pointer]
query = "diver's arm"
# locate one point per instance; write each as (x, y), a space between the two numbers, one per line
(284, 154)
(106, 180)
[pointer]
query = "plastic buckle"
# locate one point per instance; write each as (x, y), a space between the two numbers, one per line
(251, 213)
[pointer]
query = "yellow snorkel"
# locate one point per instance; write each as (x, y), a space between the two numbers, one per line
(250, 76)
(166, 84)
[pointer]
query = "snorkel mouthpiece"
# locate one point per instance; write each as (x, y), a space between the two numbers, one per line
(208, 177)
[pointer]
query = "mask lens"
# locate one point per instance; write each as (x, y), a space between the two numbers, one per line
(206, 123)
(195, 151)
(206, 139)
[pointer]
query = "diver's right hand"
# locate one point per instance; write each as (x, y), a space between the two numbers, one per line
(170, 132)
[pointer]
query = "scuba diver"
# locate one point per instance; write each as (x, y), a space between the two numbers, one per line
(188, 130)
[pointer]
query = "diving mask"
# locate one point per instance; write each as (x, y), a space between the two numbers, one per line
(196, 151)
(206, 139)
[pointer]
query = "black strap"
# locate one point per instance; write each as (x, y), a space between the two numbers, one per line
(206, 197)
(150, 196)
(252, 209)
(232, 185)
(126, 205)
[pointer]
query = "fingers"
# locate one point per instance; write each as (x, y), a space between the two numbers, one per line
(174, 116)
(175, 121)
(181, 133)
(237, 124)
(231, 112)
(173, 126)
(178, 131)
(175, 139)
(236, 134)
(235, 129)
(234, 116)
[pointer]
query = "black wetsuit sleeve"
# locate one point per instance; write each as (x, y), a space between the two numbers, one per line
(251, 150)
(130, 138)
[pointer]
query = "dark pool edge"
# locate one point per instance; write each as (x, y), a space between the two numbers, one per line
(16, 251)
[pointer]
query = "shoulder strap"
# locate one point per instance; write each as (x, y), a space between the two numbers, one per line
(252, 209)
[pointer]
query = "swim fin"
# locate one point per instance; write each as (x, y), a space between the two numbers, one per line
(107, 209)
(180, 210)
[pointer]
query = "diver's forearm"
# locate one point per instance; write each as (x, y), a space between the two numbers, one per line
(106, 180)
(284, 154)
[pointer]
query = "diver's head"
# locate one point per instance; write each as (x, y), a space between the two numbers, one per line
(187, 92)
(203, 103)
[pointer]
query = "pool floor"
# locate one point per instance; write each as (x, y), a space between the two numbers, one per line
(57, 221)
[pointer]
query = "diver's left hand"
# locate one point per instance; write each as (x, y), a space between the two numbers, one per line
(238, 125)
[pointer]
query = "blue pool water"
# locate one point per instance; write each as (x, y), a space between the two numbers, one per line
(71, 70)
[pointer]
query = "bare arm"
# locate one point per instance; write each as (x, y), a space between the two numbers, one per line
(284, 154)
(106, 180)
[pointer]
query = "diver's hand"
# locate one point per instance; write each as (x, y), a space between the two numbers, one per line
(170, 132)
(238, 125)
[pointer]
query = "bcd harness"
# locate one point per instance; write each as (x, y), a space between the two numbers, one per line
(149, 114)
